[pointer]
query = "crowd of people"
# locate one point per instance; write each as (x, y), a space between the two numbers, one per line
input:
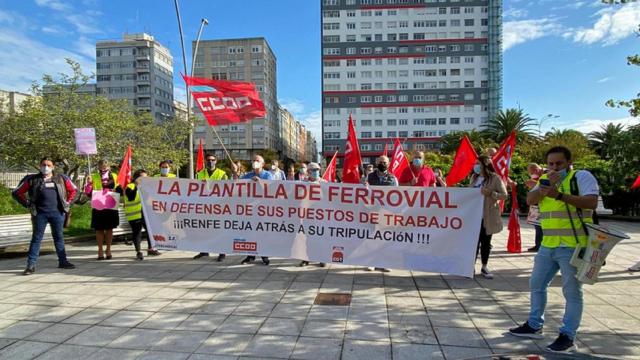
(562, 197)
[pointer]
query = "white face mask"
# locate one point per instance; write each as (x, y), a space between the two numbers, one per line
(273, 167)
(45, 170)
(164, 171)
(256, 165)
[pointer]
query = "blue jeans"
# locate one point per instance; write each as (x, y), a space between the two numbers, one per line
(39, 222)
(546, 265)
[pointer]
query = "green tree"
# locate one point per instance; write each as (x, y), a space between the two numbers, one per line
(576, 141)
(505, 122)
(634, 103)
(44, 127)
(451, 141)
(601, 140)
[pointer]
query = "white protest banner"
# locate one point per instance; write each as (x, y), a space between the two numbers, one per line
(428, 229)
(85, 141)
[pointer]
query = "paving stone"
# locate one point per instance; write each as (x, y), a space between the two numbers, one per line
(163, 355)
(202, 322)
(271, 346)
(90, 316)
(97, 336)
(120, 354)
(23, 329)
(225, 344)
(458, 352)
(67, 352)
(367, 331)
(412, 333)
(24, 350)
(126, 318)
(181, 341)
(403, 351)
(311, 348)
(138, 339)
(366, 350)
(282, 326)
(241, 324)
(459, 336)
(164, 321)
(58, 333)
(324, 328)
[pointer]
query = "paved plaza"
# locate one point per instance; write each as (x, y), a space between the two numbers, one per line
(173, 307)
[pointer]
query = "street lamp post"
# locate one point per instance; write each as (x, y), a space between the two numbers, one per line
(203, 22)
(549, 116)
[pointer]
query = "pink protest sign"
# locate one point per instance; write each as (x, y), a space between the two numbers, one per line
(85, 141)
(104, 199)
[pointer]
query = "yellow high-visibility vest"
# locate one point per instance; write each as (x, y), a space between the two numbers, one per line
(133, 209)
(556, 220)
(97, 180)
(218, 174)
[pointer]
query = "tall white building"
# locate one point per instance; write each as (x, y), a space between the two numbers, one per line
(411, 69)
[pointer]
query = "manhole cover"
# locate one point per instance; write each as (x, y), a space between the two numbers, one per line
(333, 299)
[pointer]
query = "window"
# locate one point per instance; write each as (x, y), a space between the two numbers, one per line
(351, 63)
(468, 120)
(365, 135)
(468, 47)
(469, 22)
(332, 135)
(331, 51)
(365, 123)
(403, 122)
(391, 122)
(454, 121)
(330, 26)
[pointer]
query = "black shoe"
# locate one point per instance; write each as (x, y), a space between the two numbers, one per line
(526, 331)
(67, 265)
(153, 252)
(247, 260)
(303, 263)
(533, 249)
(323, 264)
(563, 344)
(221, 257)
(200, 255)
(265, 260)
(29, 271)
(139, 256)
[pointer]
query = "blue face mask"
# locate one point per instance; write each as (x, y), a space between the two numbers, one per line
(477, 169)
(417, 162)
(315, 173)
(562, 173)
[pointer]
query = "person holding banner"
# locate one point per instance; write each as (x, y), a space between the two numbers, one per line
(291, 173)
(381, 177)
(165, 169)
(276, 172)
(494, 190)
(133, 210)
(211, 173)
(257, 174)
(49, 200)
(423, 175)
(315, 178)
(104, 213)
(440, 180)
(301, 175)
(566, 199)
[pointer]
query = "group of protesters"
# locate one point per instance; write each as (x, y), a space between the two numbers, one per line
(562, 196)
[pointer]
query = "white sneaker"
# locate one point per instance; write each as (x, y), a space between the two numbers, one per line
(370, 268)
(486, 273)
(635, 267)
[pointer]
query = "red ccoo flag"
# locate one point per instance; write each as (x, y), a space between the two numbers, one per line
(636, 184)
(384, 153)
(514, 243)
(352, 160)
(462, 163)
(400, 164)
(124, 175)
(200, 158)
(225, 102)
(502, 159)
(330, 172)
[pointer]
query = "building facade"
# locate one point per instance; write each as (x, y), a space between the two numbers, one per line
(250, 60)
(10, 101)
(138, 69)
(408, 69)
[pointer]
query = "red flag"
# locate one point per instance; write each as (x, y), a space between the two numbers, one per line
(225, 102)
(352, 160)
(462, 163)
(330, 172)
(514, 244)
(400, 164)
(636, 183)
(124, 175)
(502, 159)
(384, 153)
(200, 158)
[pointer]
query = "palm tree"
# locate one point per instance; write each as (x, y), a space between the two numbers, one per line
(505, 122)
(600, 141)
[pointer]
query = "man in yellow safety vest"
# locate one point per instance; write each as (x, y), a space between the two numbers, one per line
(566, 199)
(210, 172)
